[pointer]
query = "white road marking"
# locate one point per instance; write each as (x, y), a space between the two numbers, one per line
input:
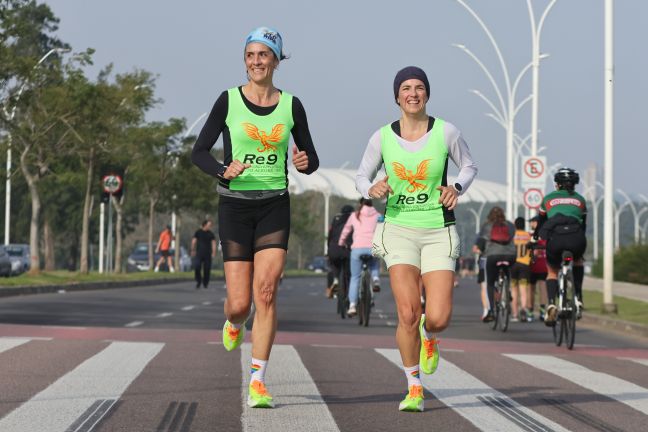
(391, 323)
(299, 404)
(188, 308)
(636, 360)
(134, 324)
(465, 394)
(103, 376)
(378, 311)
(623, 391)
(8, 343)
(164, 315)
(382, 316)
(206, 303)
(451, 350)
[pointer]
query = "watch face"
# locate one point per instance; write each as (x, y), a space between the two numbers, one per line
(458, 187)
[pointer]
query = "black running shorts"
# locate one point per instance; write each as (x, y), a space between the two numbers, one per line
(248, 226)
(575, 242)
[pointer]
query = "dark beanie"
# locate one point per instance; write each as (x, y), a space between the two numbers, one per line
(408, 73)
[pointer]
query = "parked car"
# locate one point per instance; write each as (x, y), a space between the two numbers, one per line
(5, 263)
(319, 264)
(19, 256)
(138, 259)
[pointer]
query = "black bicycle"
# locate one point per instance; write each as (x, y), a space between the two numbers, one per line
(502, 309)
(364, 294)
(343, 289)
(568, 307)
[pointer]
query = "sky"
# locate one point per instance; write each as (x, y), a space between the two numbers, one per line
(344, 55)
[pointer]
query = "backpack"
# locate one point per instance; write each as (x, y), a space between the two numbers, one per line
(500, 234)
(337, 225)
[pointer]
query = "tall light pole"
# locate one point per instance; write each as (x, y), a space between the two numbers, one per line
(11, 117)
(535, 59)
(636, 213)
(509, 107)
(174, 219)
(608, 251)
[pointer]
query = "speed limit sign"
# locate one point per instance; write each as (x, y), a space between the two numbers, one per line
(112, 183)
(533, 198)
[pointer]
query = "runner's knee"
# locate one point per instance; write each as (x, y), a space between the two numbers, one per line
(408, 318)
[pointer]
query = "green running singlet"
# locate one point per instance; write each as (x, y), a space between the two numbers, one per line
(261, 141)
(414, 177)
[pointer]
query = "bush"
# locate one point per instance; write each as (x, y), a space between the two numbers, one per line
(629, 265)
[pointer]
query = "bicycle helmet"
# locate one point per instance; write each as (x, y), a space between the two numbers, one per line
(566, 176)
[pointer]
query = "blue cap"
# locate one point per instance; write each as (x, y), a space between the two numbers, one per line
(269, 37)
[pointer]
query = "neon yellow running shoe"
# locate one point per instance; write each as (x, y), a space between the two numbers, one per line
(413, 402)
(258, 396)
(429, 356)
(232, 337)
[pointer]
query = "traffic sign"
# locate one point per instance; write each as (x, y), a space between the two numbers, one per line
(534, 172)
(112, 183)
(533, 198)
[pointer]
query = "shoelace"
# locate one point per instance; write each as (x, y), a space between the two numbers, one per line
(415, 391)
(259, 387)
(430, 346)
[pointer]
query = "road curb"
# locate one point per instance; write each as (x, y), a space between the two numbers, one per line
(85, 286)
(616, 325)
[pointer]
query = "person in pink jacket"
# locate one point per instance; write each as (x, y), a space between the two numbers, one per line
(362, 223)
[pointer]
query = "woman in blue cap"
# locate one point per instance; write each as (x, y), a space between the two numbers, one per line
(256, 120)
(418, 239)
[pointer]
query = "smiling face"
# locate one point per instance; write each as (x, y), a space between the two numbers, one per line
(412, 96)
(260, 62)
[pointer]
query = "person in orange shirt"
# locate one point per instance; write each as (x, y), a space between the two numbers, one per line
(163, 246)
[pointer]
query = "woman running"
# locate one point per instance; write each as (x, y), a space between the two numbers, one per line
(418, 237)
(254, 208)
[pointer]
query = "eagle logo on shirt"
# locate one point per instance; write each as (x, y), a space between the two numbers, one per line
(275, 136)
(411, 177)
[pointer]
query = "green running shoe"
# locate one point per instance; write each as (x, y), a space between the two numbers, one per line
(429, 356)
(258, 396)
(413, 402)
(232, 337)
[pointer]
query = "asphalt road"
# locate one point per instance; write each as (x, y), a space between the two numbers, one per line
(149, 359)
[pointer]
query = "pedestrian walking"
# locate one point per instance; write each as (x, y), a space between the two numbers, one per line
(163, 248)
(203, 249)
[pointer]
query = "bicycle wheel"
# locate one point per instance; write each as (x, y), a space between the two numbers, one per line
(366, 298)
(496, 306)
(570, 318)
(505, 305)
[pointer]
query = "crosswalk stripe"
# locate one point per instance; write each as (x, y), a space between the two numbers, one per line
(8, 343)
(598, 382)
(641, 361)
(299, 405)
(486, 408)
(104, 376)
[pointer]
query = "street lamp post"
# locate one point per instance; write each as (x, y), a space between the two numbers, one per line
(174, 219)
(535, 50)
(509, 108)
(635, 213)
(11, 117)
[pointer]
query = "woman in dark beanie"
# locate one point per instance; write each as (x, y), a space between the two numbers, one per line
(418, 238)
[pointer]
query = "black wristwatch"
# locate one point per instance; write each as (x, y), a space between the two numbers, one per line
(458, 187)
(221, 171)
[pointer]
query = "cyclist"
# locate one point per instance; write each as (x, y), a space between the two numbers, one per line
(418, 238)
(562, 224)
(362, 223)
(337, 255)
(498, 234)
(256, 120)
(538, 271)
(520, 273)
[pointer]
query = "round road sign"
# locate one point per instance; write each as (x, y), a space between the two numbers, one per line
(112, 183)
(534, 168)
(533, 198)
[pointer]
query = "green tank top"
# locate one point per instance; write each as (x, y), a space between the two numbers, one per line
(414, 177)
(261, 141)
